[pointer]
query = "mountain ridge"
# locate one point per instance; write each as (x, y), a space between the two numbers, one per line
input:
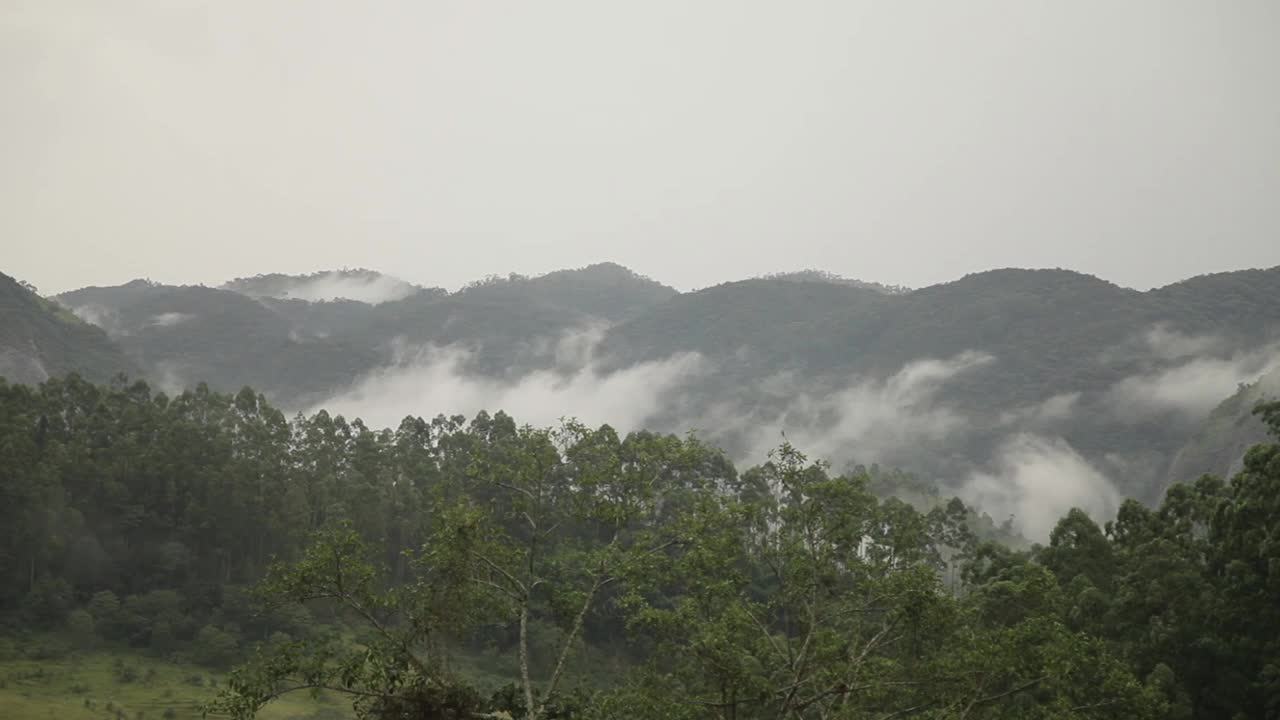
(1053, 352)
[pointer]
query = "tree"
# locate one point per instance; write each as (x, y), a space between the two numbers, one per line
(541, 525)
(215, 647)
(388, 674)
(1246, 561)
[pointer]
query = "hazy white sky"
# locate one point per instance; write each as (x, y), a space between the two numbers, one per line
(693, 140)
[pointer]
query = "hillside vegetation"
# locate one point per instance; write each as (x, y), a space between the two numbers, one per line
(40, 339)
(1122, 378)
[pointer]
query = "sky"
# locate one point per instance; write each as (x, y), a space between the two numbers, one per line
(695, 141)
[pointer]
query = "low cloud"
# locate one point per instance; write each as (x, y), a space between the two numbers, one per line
(19, 367)
(1191, 389)
(867, 419)
(1168, 344)
(103, 317)
(170, 378)
(372, 289)
(1161, 343)
(170, 319)
(1036, 480)
(431, 380)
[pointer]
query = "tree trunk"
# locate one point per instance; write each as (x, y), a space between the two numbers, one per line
(524, 659)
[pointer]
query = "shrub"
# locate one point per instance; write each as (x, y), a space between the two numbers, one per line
(81, 627)
(278, 640)
(105, 608)
(215, 647)
(48, 602)
(124, 673)
(162, 640)
(140, 614)
(48, 648)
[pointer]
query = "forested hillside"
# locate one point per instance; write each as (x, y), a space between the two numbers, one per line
(302, 338)
(1219, 447)
(1006, 374)
(40, 339)
(454, 567)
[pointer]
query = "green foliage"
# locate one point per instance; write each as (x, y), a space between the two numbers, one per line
(125, 673)
(47, 647)
(215, 647)
(452, 568)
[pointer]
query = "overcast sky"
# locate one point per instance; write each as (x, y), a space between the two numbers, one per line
(693, 140)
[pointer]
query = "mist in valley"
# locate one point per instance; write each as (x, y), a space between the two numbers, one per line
(1024, 470)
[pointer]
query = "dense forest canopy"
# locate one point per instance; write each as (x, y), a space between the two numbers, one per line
(460, 567)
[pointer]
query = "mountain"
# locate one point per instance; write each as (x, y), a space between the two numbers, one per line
(1121, 377)
(605, 291)
(775, 319)
(182, 335)
(263, 331)
(1236, 305)
(1025, 376)
(813, 275)
(39, 339)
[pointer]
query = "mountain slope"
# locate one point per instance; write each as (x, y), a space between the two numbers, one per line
(1072, 357)
(946, 380)
(39, 339)
(772, 320)
(182, 335)
(259, 331)
(1219, 446)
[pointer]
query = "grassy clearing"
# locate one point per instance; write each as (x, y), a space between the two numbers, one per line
(91, 686)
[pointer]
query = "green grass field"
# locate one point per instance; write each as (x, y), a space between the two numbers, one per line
(87, 686)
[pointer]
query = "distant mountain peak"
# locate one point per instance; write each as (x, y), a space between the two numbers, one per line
(603, 290)
(824, 276)
(1037, 281)
(607, 270)
(1042, 273)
